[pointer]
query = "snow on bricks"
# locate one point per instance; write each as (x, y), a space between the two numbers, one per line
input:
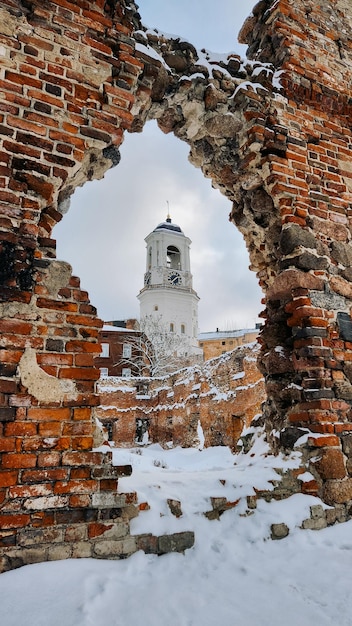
(273, 134)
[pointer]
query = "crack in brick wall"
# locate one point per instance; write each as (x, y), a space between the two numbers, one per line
(272, 133)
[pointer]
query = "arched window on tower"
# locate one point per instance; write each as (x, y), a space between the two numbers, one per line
(173, 258)
(149, 259)
(183, 329)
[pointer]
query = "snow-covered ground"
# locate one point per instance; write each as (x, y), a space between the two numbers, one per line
(234, 575)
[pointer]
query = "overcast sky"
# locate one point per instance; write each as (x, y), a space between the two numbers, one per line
(102, 235)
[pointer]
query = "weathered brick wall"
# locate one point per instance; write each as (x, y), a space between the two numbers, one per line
(67, 85)
(222, 395)
(274, 138)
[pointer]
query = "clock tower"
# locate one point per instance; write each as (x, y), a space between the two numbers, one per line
(168, 292)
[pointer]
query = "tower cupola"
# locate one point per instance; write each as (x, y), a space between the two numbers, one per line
(168, 284)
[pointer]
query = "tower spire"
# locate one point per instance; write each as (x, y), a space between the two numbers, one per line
(168, 218)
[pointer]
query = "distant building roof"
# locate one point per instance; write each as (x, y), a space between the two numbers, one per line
(117, 329)
(226, 334)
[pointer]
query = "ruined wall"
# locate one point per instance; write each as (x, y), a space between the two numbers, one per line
(222, 395)
(68, 79)
(272, 133)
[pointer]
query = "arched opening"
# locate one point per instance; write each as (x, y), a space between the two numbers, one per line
(113, 216)
(173, 258)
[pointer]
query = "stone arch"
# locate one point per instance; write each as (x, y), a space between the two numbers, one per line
(272, 133)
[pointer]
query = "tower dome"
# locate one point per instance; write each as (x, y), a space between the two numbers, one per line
(168, 225)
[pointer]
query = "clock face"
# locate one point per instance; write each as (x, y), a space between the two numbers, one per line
(174, 278)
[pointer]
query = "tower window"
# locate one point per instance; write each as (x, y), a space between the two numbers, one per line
(173, 260)
(172, 327)
(183, 329)
(156, 308)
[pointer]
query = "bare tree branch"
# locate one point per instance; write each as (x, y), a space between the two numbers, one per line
(156, 351)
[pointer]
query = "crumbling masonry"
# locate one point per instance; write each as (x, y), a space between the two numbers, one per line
(273, 134)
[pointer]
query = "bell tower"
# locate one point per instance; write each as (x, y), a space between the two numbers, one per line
(168, 287)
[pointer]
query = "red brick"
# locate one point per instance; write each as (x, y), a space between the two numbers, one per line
(12, 460)
(84, 360)
(54, 414)
(8, 478)
(321, 442)
(58, 306)
(108, 485)
(79, 501)
(20, 429)
(80, 472)
(50, 429)
(7, 444)
(97, 529)
(78, 428)
(31, 127)
(82, 443)
(83, 346)
(82, 458)
(28, 491)
(49, 459)
(14, 521)
(82, 413)
(16, 327)
(42, 519)
(79, 373)
(76, 486)
(42, 476)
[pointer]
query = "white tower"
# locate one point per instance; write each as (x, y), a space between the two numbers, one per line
(168, 292)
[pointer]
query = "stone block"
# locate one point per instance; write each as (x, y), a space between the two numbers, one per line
(59, 553)
(337, 491)
(295, 236)
(314, 524)
(31, 555)
(29, 537)
(336, 514)
(148, 543)
(317, 511)
(178, 542)
(115, 549)
(344, 323)
(279, 531)
(331, 464)
(251, 502)
(108, 500)
(82, 550)
(291, 279)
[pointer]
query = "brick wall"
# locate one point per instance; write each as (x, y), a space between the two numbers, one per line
(273, 134)
(222, 396)
(68, 78)
(274, 138)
